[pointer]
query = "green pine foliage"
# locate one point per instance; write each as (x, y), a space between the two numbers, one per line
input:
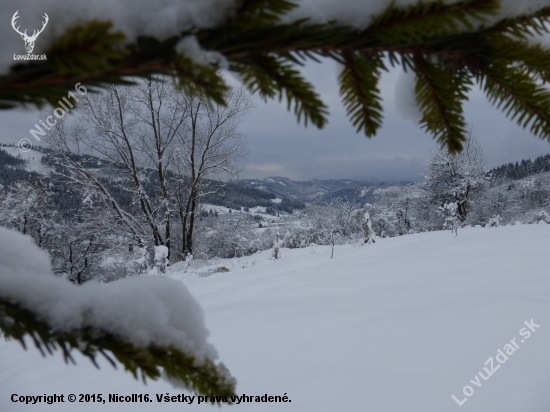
(151, 362)
(359, 89)
(448, 46)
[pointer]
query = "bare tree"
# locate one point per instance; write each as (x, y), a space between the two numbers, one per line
(162, 143)
(212, 148)
(335, 222)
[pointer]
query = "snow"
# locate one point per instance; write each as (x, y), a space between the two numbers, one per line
(543, 216)
(161, 252)
(190, 47)
(400, 325)
(277, 200)
(161, 19)
(360, 13)
(364, 191)
(33, 159)
(142, 310)
(215, 208)
(164, 18)
(257, 210)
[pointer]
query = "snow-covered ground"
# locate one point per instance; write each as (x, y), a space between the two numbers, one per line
(400, 325)
(215, 208)
(33, 159)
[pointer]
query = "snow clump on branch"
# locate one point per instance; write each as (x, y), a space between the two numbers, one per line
(141, 310)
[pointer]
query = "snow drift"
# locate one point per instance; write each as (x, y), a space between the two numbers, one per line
(399, 325)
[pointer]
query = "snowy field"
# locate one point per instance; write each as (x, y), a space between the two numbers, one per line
(33, 159)
(401, 325)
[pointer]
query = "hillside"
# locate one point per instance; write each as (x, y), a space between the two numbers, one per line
(522, 169)
(359, 192)
(401, 325)
(16, 165)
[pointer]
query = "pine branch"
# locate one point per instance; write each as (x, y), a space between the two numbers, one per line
(424, 20)
(534, 59)
(523, 26)
(271, 76)
(196, 80)
(265, 50)
(518, 95)
(262, 12)
(85, 48)
(151, 362)
(439, 95)
(359, 90)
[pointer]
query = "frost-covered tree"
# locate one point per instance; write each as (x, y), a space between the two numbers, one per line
(334, 223)
(211, 147)
(276, 247)
(449, 211)
(24, 207)
(401, 210)
(368, 233)
(132, 130)
(500, 198)
(457, 178)
(164, 144)
(82, 241)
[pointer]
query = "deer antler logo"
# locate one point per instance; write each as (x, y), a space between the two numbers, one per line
(29, 40)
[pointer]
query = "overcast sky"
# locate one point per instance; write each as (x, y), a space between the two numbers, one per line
(278, 146)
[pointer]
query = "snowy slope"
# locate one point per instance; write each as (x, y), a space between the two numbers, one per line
(33, 159)
(400, 325)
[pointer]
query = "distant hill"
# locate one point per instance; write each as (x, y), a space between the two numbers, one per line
(16, 165)
(359, 192)
(14, 168)
(277, 193)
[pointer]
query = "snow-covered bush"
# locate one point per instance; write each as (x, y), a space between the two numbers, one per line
(449, 211)
(233, 239)
(543, 216)
(276, 248)
(297, 236)
(161, 258)
(495, 221)
(368, 233)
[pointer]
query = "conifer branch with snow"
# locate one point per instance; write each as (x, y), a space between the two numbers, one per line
(151, 326)
(449, 45)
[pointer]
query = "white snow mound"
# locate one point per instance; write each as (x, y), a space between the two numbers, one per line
(142, 310)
